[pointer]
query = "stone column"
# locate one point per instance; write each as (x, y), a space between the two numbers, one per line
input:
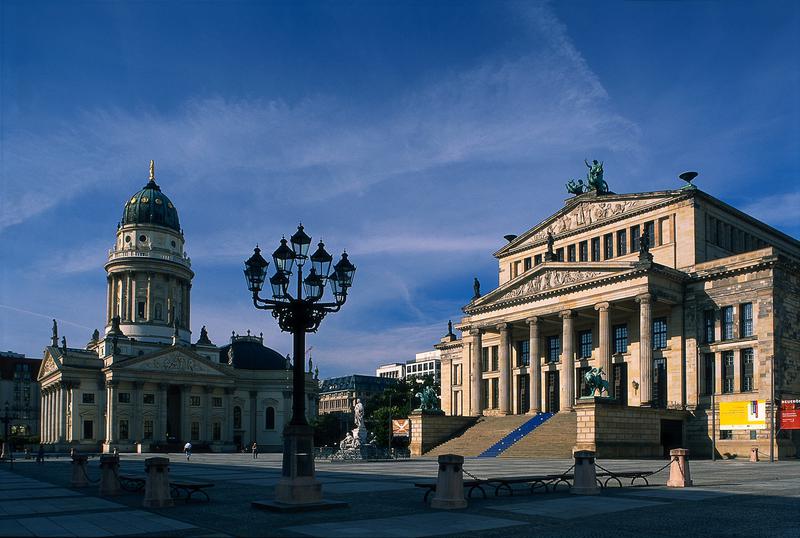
(227, 423)
(45, 414)
(62, 413)
(205, 431)
(604, 341)
(187, 319)
(124, 311)
(645, 348)
(149, 308)
(505, 370)
(161, 418)
(475, 373)
(109, 300)
(535, 368)
(132, 295)
(75, 433)
(101, 406)
(42, 414)
(137, 422)
(186, 421)
(567, 388)
(111, 411)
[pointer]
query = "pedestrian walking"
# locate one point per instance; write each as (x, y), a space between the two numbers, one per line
(40, 454)
(187, 449)
(255, 450)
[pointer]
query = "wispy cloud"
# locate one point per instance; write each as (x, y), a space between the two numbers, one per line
(778, 209)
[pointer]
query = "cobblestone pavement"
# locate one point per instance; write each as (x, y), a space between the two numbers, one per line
(730, 498)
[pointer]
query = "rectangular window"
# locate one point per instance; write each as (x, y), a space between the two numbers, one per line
(523, 353)
(708, 366)
(195, 431)
(727, 371)
(495, 359)
(571, 253)
(708, 325)
(746, 319)
(608, 246)
(553, 348)
(583, 251)
(148, 429)
(620, 338)
(485, 394)
(622, 242)
(485, 359)
(88, 397)
(456, 374)
(495, 393)
(660, 333)
(216, 401)
(727, 322)
(194, 401)
(149, 398)
(585, 344)
(595, 249)
(140, 309)
(747, 370)
(635, 232)
(123, 430)
(726, 435)
(217, 432)
(124, 397)
(537, 260)
(526, 263)
(560, 254)
(650, 230)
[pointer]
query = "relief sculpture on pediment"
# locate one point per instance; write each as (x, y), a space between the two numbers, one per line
(48, 366)
(549, 280)
(584, 215)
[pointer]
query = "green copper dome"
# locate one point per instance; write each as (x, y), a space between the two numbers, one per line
(151, 206)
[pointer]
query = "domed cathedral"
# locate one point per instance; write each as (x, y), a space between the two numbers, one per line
(143, 385)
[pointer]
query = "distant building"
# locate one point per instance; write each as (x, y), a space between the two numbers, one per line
(19, 388)
(395, 370)
(426, 363)
(338, 394)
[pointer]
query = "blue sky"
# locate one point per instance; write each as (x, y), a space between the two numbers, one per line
(414, 134)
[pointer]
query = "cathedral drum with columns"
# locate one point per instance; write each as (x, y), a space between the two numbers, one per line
(143, 385)
(686, 304)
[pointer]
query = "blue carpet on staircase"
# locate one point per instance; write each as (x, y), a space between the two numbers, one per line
(506, 442)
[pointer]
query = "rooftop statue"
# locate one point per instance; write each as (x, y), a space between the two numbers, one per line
(594, 180)
(476, 288)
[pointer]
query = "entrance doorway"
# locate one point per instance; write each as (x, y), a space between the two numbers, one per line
(523, 401)
(174, 414)
(551, 392)
(671, 435)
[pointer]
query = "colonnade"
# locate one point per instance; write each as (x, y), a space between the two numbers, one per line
(567, 382)
(122, 298)
(53, 412)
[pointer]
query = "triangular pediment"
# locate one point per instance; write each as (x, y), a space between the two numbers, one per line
(49, 365)
(589, 210)
(173, 360)
(547, 278)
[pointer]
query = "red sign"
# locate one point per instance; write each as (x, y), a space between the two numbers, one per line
(790, 415)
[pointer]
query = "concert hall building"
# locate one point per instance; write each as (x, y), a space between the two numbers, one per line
(681, 299)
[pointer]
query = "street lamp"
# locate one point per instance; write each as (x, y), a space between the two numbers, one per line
(298, 314)
(8, 450)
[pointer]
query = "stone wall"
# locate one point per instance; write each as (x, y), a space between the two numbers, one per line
(619, 431)
(428, 431)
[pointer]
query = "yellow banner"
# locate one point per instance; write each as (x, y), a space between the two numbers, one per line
(747, 415)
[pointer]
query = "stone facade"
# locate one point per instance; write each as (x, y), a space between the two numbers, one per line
(710, 307)
(430, 430)
(142, 385)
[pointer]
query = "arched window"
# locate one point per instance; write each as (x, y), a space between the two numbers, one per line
(237, 418)
(270, 418)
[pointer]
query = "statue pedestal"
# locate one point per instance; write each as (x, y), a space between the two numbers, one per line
(298, 490)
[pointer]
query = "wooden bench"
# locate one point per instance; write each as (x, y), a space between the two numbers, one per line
(471, 484)
(189, 488)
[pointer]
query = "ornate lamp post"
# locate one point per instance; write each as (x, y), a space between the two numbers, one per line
(298, 313)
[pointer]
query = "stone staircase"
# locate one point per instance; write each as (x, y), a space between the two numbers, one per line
(554, 439)
(486, 432)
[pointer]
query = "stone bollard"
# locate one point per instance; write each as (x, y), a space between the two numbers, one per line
(79, 471)
(754, 454)
(679, 474)
(156, 489)
(450, 483)
(109, 483)
(585, 482)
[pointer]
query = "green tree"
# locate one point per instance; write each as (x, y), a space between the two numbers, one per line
(328, 430)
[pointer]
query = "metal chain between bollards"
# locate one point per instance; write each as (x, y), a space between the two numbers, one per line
(86, 475)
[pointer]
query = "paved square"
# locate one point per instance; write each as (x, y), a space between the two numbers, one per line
(412, 525)
(574, 507)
